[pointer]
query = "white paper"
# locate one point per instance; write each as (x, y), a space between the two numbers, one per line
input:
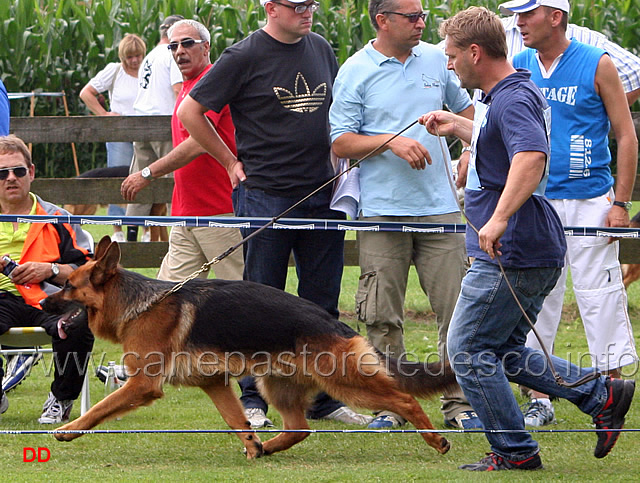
(346, 194)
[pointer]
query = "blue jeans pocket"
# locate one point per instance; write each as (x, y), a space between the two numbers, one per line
(533, 282)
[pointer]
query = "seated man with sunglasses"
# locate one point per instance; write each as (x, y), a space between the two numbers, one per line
(36, 260)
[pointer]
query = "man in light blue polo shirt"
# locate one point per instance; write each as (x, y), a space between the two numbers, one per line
(378, 91)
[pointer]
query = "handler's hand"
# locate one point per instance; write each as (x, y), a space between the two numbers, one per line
(132, 184)
(439, 123)
(489, 237)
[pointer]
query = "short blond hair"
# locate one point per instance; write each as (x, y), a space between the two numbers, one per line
(476, 25)
(13, 144)
(130, 46)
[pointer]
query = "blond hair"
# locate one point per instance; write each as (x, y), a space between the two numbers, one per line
(476, 25)
(13, 144)
(130, 46)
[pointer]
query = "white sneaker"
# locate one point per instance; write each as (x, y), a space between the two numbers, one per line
(54, 411)
(119, 237)
(257, 418)
(146, 236)
(347, 415)
(539, 412)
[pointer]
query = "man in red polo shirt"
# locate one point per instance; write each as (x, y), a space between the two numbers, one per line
(202, 185)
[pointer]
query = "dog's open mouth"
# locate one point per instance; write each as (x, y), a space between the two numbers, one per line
(67, 320)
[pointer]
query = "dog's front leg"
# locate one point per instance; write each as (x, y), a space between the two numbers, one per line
(232, 412)
(135, 392)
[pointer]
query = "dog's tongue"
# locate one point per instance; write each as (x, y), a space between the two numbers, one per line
(61, 332)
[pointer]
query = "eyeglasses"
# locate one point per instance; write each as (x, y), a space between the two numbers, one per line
(186, 43)
(19, 171)
(412, 17)
(312, 7)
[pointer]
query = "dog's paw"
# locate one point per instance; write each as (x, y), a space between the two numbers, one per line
(254, 450)
(65, 436)
(444, 446)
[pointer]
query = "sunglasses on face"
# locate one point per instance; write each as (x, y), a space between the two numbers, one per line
(186, 43)
(412, 17)
(312, 7)
(19, 171)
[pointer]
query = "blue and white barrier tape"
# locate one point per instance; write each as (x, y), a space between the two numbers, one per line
(292, 224)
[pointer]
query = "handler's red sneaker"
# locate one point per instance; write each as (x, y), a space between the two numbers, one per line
(612, 414)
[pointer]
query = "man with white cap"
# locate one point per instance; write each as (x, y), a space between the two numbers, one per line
(586, 96)
(627, 64)
(278, 84)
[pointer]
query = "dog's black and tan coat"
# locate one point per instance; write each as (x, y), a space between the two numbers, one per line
(210, 330)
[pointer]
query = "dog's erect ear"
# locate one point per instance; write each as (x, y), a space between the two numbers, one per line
(102, 247)
(106, 265)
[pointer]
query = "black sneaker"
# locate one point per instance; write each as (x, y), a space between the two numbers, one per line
(612, 414)
(493, 462)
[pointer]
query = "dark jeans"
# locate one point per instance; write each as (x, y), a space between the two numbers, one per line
(71, 355)
(319, 258)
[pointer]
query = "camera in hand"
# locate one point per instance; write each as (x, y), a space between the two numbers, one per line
(10, 265)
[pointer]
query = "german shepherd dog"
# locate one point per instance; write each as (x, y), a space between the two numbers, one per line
(211, 330)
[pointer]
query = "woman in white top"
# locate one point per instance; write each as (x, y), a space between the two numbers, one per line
(120, 79)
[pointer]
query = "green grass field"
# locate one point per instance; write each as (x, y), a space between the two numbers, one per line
(322, 457)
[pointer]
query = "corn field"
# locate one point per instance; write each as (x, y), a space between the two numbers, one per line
(58, 45)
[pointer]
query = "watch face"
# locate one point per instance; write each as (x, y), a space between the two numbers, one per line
(55, 269)
(146, 173)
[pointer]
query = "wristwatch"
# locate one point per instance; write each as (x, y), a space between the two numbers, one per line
(146, 173)
(623, 204)
(55, 270)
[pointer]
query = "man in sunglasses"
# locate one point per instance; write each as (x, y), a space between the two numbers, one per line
(45, 253)
(378, 91)
(277, 83)
(159, 82)
(202, 186)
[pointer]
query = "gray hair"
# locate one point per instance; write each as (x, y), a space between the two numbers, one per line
(379, 6)
(201, 29)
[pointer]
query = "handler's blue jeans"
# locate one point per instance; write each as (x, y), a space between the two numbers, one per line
(486, 345)
(319, 257)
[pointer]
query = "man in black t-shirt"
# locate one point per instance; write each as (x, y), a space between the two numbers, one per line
(278, 83)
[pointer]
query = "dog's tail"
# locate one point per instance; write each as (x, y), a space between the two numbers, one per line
(422, 380)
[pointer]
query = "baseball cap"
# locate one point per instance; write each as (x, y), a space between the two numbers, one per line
(263, 2)
(520, 6)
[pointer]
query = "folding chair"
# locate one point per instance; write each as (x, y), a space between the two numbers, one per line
(32, 338)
